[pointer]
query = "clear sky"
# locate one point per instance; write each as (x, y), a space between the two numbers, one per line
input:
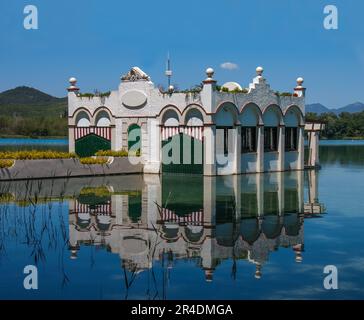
(98, 41)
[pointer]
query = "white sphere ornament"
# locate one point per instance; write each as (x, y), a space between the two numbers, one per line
(170, 88)
(210, 72)
(72, 80)
(259, 70)
(300, 81)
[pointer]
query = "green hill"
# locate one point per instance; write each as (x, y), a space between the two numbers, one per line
(26, 111)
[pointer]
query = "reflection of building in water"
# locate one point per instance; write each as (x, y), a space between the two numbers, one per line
(313, 205)
(204, 219)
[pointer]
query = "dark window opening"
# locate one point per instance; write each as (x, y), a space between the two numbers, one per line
(248, 139)
(291, 139)
(226, 139)
(270, 139)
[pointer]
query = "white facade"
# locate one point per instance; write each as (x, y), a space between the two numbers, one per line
(241, 131)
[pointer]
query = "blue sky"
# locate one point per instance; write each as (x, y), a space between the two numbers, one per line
(97, 41)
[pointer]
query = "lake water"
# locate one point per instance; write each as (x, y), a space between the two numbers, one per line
(15, 144)
(257, 236)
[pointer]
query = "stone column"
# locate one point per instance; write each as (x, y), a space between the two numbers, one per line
(71, 138)
(281, 188)
(154, 157)
(237, 150)
(152, 198)
(209, 201)
(301, 148)
(118, 134)
(260, 148)
(113, 138)
(209, 150)
(281, 148)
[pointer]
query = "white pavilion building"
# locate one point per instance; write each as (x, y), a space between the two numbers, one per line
(210, 130)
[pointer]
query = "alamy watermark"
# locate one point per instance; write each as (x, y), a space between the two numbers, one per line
(31, 17)
(331, 280)
(31, 280)
(331, 20)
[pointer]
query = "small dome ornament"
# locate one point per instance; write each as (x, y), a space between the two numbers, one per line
(72, 81)
(259, 70)
(170, 89)
(72, 87)
(300, 81)
(210, 73)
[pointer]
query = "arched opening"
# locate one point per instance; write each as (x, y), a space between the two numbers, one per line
(134, 139)
(291, 120)
(103, 119)
(271, 120)
(82, 119)
(249, 119)
(170, 118)
(225, 119)
(90, 139)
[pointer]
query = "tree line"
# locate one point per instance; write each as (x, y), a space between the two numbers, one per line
(33, 126)
(343, 126)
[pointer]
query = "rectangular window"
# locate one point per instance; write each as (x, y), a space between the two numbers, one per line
(291, 139)
(225, 138)
(248, 139)
(270, 139)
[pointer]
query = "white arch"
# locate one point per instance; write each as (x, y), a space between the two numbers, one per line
(170, 118)
(82, 119)
(103, 119)
(194, 117)
(250, 115)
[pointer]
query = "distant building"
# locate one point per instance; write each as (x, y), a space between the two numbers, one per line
(209, 130)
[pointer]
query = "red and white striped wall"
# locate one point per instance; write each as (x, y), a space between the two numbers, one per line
(195, 132)
(104, 132)
(195, 217)
(104, 209)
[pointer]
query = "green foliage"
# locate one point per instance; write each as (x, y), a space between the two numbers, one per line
(284, 94)
(35, 154)
(28, 112)
(343, 126)
(120, 153)
(91, 160)
(226, 90)
(92, 95)
(5, 163)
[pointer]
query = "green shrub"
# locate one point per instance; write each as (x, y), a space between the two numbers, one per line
(120, 153)
(5, 163)
(35, 154)
(91, 160)
(112, 153)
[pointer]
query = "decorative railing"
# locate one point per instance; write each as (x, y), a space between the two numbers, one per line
(104, 132)
(193, 131)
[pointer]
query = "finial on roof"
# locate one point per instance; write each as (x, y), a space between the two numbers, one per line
(300, 81)
(259, 71)
(72, 87)
(210, 73)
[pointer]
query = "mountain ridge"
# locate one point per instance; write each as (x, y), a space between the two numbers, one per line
(26, 100)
